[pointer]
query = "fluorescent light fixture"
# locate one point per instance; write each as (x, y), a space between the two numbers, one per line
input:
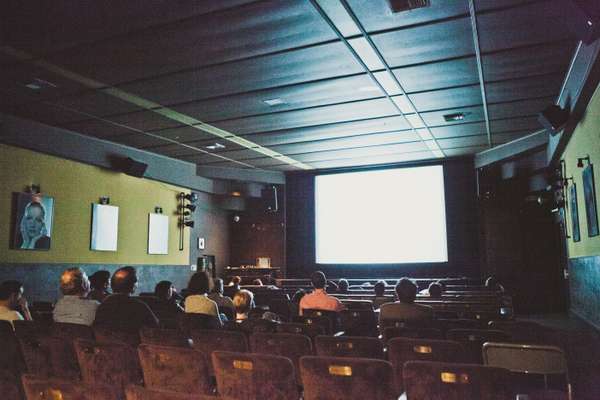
(337, 13)
(366, 53)
(459, 116)
(274, 102)
(215, 146)
(387, 81)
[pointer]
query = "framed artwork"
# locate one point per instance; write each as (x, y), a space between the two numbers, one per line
(589, 194)
(105, 227)
(33, 221)
(574, 213)
(158, 234)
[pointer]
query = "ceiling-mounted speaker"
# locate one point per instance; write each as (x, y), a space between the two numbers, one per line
(269, 194)
(407, 5)
(583, 19)
(553, 118)
(134, 168)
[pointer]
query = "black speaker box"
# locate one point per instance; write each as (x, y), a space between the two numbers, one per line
(553, 117)
(269, 195)
(134, 168)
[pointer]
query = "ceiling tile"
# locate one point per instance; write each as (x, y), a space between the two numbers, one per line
(530, 124)
(447, 98)
(436, 118)
(519, 108)
(361, 152)
(374, 160)
(438, 75)
(524, 88)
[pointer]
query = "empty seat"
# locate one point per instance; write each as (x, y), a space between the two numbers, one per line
(527, 361)
(446, 325)
(421, 333)
(47, 356)
(290, 345)
(70, 331)
(425, 380)
(249, 376)
(31, 329)
(361, 322)
(401, 350)
(192, 321)
(332, 316)
(134, 392)
(174, 368)
(325, 323)
(114, 364)
(9, 387)
(473, 340)
(281, 307)
(164, 337)
(36, 388)
(301, 329)
(349, 346)
(109, 335)
(207, 341)
(528, 332)
(333, 378)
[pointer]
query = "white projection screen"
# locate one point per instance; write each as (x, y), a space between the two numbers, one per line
(381, 217)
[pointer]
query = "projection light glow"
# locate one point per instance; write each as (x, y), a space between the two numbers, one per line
(381, 217)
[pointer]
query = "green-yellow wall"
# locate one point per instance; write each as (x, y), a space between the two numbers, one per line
(585, 140)
(75, 187)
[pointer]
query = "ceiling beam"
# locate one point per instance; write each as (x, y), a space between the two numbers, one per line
(511, 149)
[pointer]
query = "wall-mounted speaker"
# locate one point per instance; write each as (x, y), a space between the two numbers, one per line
(583, 19)
(553, 118)
(134, 168)
(269, 194)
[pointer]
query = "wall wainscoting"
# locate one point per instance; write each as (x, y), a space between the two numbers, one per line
(41, 281)
(584, 276)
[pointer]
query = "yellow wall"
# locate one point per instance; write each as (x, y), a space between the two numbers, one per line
(75, 187)
(585, 140)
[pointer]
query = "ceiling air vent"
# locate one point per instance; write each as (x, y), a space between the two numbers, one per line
(407, 5)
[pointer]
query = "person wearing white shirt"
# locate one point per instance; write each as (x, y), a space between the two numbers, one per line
(198, 302)
(11, 300)
(74, 308)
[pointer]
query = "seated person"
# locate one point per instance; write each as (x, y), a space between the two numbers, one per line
(318, 299)
(74, 307)
(166, 306)
(405, 309)
(99, 285)
(13, 305)
(249, 322)
(233, 287)
(120, 312)
(492, 284)
(223, 302)
(380, 298)
(343, 286)
(198, 302)
(438, 288)
(257, 282)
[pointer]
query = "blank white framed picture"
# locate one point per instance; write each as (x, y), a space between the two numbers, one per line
(158, 234)
(105, 227)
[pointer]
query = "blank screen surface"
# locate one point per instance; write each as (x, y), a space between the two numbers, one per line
(381, 217)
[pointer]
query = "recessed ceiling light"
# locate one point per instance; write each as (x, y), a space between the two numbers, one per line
(454, 117)
(39, 84)
(274, 102)
(215, 146)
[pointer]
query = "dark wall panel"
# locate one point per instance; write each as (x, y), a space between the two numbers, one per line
(461, 219)
(584, 274)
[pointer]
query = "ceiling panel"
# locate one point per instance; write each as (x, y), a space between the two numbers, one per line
(436, 118)
(516, 124)
(466, 141)
(447, 98)
(321, 115)
(302, 65)
(306, 95)
(96, 103)
(251, 30)
(438, 75)
(426, 43)
(519, 108)
(98, 128)
(464, 151)
(524, 88)
(46, 112)
(361, 152)
(174, 150)
(373, 160)
(443, 132)
(533, 23)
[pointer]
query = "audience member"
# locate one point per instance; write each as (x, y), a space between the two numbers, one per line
(13, 305)
(318, 299)
(74, 307)
(234, 285)
(119, 311)
(99, 285)
(380, 298)
(198, 302)
(405, 308)
(343, 286)
(248, 321)
(223, 302)
(492, 283)
(166, 294)
(257, 282)
(435, 290)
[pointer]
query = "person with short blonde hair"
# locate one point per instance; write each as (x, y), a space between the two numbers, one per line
(243, 301)
(73, 307)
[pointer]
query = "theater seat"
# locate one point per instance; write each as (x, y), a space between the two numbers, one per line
(349, 346)
(31, 329)
(114, 364)
(164, 337)
(192, 321)
(47, 356)
(207, 341)
(72, 331)
(424, 333)
(9, 386)
(301, 329)
(10, 356)
(36, 388)
(109, 335)
(175, 368)
(248, 376)
(334, 378)
(425, 380)
(361, 322)
(401, 350)
(134, 392)
(473, 340)
(288, 345)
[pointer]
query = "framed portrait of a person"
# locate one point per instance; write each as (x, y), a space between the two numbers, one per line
(34, 217)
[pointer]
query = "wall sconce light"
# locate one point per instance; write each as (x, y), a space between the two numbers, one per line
(581, 160)
(189, 224)
(191, 197)
(184, 211)
(105, 200)
(158, 210)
